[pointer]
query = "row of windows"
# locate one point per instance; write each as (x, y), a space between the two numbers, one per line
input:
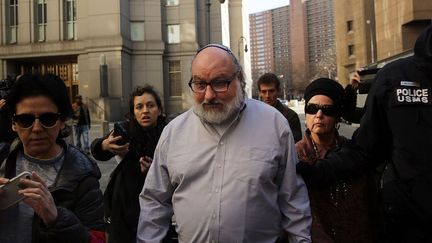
(136, 27)
(137, 32)
(172, 2)
(41, 20)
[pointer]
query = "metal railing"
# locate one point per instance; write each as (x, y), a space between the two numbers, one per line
(96, 111)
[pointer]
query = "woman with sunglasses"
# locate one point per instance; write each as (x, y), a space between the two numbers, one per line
(341, 212)
(135, 147)
(62, 199)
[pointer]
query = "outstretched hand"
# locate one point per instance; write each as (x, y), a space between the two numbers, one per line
(110, 144)
(355, 80)
(37, 196)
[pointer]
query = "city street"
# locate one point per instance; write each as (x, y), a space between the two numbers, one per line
(106, 167)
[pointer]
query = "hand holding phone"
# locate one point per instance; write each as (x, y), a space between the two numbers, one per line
(120, 131)
(9, 195)
(37, 195)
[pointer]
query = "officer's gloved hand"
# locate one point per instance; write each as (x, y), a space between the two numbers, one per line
(313, 175)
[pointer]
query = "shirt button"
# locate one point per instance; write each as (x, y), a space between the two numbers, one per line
(217, 190)
(221, 143)
(214, 216)
(219, 165)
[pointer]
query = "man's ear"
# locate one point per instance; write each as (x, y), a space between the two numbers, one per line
(14, 127)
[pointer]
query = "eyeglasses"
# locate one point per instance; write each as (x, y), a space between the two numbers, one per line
(47, 120)
(328, 110)
(217, 85)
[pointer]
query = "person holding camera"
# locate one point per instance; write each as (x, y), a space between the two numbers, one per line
(134, 141)
(62, 201)
(6, 133)
(396, 129)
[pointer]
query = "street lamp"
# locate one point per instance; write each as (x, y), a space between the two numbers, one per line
(328, 71)
(368, 22)
(240, 40)
(208, 4)
(280, 76)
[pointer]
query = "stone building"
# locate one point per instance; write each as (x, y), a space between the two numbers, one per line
(375, 32)
(102, 49)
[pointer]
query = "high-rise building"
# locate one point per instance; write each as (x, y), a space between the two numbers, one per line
(296, 42)
(371, 33)
(261, 34)
(102, 49)
(321, 37)
(281, 47)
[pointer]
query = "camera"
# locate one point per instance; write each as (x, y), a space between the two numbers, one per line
(367, 77)
(5, 87)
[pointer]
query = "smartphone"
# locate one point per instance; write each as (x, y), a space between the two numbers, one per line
(9, 195)
(120, 131)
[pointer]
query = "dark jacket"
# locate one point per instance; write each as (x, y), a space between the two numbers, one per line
(82, 115)
(122, 207)
(293, 120)
(396, 128)
(342, 212)
(76, 194)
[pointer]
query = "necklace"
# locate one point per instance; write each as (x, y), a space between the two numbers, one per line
(339, 190)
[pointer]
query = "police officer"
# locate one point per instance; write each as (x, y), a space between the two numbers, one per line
(397, 129)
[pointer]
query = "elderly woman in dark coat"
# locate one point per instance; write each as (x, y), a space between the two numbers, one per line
(342, 211)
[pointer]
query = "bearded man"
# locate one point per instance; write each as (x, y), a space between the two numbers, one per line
(226, 167)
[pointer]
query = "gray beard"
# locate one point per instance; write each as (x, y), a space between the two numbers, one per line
(218, 117)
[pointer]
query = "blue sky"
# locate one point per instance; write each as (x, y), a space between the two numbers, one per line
(261, 5)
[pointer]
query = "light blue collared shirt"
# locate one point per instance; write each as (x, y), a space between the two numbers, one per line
(238, 186)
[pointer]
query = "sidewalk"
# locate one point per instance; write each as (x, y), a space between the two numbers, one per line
(106, 167)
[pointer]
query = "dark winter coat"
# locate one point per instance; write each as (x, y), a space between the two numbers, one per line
(342, 212)
(122, 207)
(76, 194)
(293, 120)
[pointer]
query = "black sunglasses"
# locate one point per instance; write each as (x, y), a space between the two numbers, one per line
(328, 110)
(47, 120)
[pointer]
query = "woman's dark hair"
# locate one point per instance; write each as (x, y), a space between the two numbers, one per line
(138, 91)
(49, 85)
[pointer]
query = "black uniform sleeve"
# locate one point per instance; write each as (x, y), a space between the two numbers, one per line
(352, 112)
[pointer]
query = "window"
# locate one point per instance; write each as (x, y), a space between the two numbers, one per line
(175, 87)
(173, 33)
(70, 19)
(349, 25)
(350, 50)
(13, 21)
(41, 19)
(172, 2)
(137, 31)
